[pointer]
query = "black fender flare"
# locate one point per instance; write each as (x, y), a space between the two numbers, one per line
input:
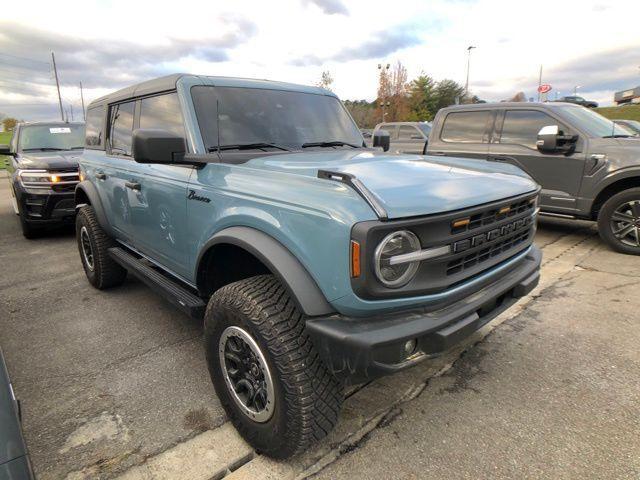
(280, 261)
(89, 190)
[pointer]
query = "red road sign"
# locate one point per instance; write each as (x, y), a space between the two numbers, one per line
(544, 88)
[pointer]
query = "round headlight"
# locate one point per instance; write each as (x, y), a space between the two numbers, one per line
(397, 243)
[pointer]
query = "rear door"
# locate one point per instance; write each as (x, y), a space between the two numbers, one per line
(463, 134)
(559, 175)
(121, 176)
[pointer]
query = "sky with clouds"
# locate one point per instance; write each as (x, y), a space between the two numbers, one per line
(108, 44)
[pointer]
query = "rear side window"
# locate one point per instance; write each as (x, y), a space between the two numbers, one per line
(465, 127)
(406, 132)
(94, 127)
(521, 127)
(120, 128)
(162, 112)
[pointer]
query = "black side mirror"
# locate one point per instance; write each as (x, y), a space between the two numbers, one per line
(157, 146)
(551, 140)
(5, 150)
(381, 138)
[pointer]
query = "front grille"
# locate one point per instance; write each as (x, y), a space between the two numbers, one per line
(485, 254)
(493, 215)
(485, 236)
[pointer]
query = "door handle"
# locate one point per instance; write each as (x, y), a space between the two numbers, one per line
(132, 185)
(101, 175)
(440, 154)
(500, 158)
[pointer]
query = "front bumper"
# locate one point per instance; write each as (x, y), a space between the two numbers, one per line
(44, 206)
(361, 349)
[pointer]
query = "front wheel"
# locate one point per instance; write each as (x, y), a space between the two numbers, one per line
(275, 389)
(619, 221)
(102, 271)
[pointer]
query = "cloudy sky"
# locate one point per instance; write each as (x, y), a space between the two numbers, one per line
(108, 44)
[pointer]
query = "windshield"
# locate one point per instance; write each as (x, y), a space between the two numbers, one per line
(630, 125)
(593, 123)
(51, 137)
(249, 116)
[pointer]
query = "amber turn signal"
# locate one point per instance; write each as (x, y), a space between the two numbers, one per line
(461, 223)
(355, 259)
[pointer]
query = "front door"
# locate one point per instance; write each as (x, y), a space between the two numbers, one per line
(559, 175)
(164, 189)
(148, 201)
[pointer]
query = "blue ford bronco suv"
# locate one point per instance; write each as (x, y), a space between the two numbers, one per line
(314, 261)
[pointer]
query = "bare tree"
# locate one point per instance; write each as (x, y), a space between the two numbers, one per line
(325, 80)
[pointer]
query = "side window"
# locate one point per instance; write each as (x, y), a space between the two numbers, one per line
(162, 112)
(94, 127)
(120, 128)
(521, 127)
(392, 129)
(407, 132)
(465, 127)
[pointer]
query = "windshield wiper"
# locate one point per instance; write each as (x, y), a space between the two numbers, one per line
(249, 146)
(335, 143)
(620, 135)
(76, 148)
(43, 149)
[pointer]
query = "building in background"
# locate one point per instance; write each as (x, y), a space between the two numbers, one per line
(631, 95)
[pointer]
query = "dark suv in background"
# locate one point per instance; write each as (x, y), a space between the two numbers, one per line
(588, 167)
(578, 101)
(43, 171)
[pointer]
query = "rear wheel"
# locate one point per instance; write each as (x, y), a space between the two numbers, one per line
(266, 372)
(102, 272)
(619, 221)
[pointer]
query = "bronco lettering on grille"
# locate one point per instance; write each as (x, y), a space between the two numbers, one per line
(477, 240)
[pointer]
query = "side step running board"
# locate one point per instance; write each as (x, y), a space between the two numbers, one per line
(177, 295)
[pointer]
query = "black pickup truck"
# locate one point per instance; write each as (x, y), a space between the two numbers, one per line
(587, 165)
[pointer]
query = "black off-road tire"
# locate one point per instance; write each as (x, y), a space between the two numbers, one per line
(307, 397)
(605, 217)
(102, 272)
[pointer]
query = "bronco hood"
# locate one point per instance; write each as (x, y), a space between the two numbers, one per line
(411, 185)
(49, 160)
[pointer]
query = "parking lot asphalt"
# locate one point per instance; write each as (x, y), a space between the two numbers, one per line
(115, 382)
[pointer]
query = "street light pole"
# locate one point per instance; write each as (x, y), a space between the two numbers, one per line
(384, 100)
(466, 87)
(575, 89)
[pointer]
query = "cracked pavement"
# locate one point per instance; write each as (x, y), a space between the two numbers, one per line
(115, 382)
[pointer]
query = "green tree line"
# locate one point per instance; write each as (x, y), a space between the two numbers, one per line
(400, 100)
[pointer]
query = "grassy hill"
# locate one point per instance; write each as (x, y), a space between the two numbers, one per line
(631, 112)
(4, 139)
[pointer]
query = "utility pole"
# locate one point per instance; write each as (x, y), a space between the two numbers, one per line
(84, 115)
(466, 87)
(539, 82)
(72, 119)
(55, 72)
